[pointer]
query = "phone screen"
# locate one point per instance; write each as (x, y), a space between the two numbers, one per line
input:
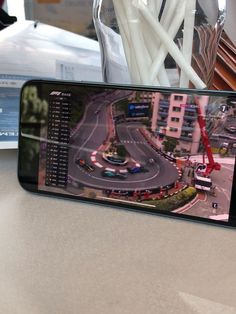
(164, 151)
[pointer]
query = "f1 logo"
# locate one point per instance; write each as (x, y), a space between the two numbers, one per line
(55, 93)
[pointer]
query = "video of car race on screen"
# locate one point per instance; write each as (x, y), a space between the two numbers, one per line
(160, 151)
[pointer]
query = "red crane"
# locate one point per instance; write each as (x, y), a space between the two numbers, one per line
(211, 165)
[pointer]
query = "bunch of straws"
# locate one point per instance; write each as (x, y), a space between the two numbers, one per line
(148, 39)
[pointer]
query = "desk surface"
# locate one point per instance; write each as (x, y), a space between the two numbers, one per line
(64, 257)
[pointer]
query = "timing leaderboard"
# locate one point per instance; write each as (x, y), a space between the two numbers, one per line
(59, 114)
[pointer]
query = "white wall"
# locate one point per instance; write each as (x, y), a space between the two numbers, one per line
(230, 25)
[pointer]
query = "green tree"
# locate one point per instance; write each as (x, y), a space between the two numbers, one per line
(121, 151)
(170, 144)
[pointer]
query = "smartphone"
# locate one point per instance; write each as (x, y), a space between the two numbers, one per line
(156, 150)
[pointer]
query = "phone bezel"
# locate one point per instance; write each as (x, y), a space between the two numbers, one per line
(31, 183)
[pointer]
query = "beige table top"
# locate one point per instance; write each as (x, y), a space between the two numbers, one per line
(65, 257)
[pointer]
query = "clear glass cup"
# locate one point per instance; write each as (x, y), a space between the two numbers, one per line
(159, 42)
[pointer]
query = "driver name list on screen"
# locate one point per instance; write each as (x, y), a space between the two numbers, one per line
(59, 115)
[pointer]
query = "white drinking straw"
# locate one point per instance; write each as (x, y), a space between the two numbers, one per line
(155, 7)
(163, 77)
(153, 48)
(168, 13)
(166, 20)
(153, 45)
(172, 31)
(169, 44)
(139, 50)
(189, 22)
(125, 33)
